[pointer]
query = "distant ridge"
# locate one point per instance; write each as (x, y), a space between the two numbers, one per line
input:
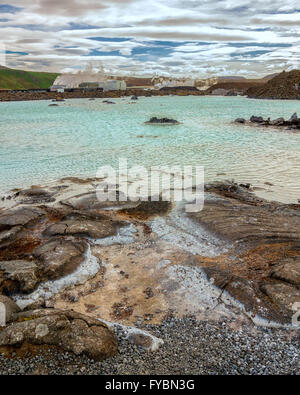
(231, 77)
(270, 76)
(19, 79)
(285, 85)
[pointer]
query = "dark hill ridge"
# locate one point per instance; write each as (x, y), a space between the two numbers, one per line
(285, 85)
(236, 85)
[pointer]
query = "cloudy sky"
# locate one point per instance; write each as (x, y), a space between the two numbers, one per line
(142, 37)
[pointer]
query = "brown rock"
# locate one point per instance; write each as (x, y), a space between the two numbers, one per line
(288, 270)
(59, 257)
(282, 294)
(238, 216)
(21, 274)
(247, 292)
(9, 235)
(67, 330)
(20, 216)
(86, 228)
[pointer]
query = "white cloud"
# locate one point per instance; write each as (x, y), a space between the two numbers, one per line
(57, 34)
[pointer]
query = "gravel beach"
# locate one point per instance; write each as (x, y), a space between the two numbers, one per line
(190, 347)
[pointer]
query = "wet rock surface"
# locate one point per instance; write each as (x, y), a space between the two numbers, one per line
(93, 229)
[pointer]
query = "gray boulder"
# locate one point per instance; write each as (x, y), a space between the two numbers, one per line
(11, 308)
(68, 330)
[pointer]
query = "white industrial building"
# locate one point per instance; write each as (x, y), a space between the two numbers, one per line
(58, 88)
(89, 78)
(113, 85)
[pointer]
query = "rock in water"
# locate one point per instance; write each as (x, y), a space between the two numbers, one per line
(278, 122)
(293, 118)
(162, 121)
(255, 119)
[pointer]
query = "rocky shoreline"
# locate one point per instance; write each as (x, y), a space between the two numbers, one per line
(92, 94)
(72, 262)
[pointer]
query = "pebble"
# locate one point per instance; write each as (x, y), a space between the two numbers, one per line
(190, 347)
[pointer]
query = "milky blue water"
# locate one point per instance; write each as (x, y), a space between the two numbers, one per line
(39, 144)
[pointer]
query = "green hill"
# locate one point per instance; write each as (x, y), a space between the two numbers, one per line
(19, 79)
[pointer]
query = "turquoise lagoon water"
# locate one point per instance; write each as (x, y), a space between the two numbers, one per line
(39, 144)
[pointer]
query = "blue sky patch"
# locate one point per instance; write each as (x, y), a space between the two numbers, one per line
(109, 39)
(16, 52)
(9, 9)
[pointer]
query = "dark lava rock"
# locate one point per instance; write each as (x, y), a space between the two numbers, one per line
(293, 118)
(278, 122)
(164, 121)
(255, 119)
(36, 196)
(240, 120)
(134, 97)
